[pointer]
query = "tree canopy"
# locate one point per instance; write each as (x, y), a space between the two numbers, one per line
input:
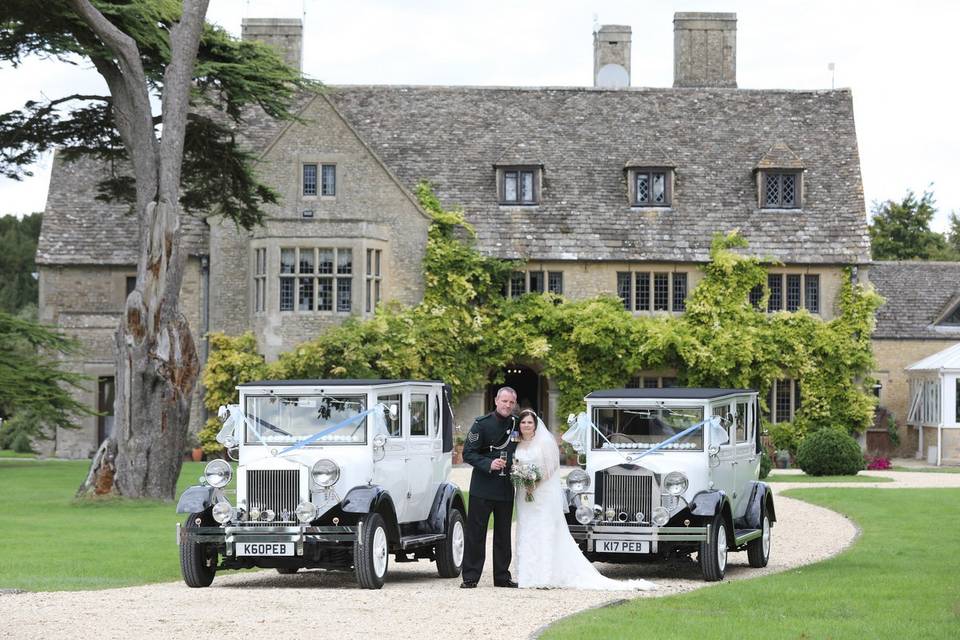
(18, 248)
(232, 80)
(901, 231)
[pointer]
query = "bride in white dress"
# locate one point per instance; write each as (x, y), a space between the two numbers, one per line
(547, 555)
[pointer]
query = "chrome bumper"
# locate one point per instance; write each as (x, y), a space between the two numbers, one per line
(590, 533)
(300, 536)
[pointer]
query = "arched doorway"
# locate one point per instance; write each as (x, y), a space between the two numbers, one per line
(531, 388)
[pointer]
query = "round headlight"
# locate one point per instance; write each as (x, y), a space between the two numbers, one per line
(325, 473)
(269, 515)
(611, 515)
(578, 481)
(660, 516)
(584, 514)
(218, 473)
(675, 483)
(223, 512)
(306, 511)
(254, 513)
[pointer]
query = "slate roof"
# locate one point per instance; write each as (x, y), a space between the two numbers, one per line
(583, 138)
(79, 229)
(918, 294)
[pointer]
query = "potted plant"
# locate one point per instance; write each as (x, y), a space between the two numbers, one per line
(194, 450)
(458, 440)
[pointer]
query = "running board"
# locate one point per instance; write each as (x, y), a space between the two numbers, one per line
(410, 542)
(742, 536)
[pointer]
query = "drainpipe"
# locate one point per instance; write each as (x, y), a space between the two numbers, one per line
(205, 319)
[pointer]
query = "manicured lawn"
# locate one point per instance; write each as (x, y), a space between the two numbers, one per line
(927, 469)
(50, 542)
(782, 477)
(7, 453)
(899, 580)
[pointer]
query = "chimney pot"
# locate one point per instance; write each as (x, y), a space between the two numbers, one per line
(285, 35)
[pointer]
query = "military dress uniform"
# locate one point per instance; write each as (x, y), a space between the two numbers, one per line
(489, 493)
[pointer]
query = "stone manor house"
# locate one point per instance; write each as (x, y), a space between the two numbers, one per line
(608, 188)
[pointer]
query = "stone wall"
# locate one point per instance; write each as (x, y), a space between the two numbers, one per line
(86, 303)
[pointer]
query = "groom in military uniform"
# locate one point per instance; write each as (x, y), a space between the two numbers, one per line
(490, 492)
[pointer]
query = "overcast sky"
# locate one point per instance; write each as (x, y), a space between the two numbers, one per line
(900, 59)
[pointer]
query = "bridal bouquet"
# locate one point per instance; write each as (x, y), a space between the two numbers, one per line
(526, 476)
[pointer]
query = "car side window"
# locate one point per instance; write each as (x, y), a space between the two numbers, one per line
(395, 422)
(726, 421)
(418, 414)
(741, 421)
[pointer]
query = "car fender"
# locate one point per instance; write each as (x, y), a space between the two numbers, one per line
(448, 497)
(196, 499)
(708, 503)
(370, 498)
(760, 495)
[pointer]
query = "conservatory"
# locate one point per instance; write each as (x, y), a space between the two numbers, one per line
(934, 408)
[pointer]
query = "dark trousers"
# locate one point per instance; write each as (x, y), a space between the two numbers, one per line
(475, 537)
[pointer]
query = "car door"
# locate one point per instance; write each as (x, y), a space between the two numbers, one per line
(724, 473)
(748, 460)
(419, 463)
(391, 471)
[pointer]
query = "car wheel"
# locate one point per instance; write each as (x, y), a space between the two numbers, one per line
(713, 552)
(198, 562)
(758, 550)
(287, 571)
(370, 552)
(449, 553)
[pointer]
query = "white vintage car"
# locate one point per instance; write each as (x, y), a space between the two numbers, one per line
(670, 472)
(334, 474)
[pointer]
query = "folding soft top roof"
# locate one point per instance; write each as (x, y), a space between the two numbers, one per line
(345, 382)
(673, 393)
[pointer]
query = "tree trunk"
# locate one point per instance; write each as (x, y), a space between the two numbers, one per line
(156, 357)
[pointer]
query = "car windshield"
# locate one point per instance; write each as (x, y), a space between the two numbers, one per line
(287, 420)
(644, 428)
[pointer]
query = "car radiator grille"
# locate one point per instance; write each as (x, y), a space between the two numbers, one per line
(627, 494)
(278, 490)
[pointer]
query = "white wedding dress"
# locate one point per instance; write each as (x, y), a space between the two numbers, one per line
(547, 555)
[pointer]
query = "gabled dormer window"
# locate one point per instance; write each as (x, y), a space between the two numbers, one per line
(651, 187)
(519, 185)
(780, 178)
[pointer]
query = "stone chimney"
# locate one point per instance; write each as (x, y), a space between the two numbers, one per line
(611, 56)
(283, 34)
(705, 50)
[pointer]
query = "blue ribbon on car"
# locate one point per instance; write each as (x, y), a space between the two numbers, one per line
(680, 435)
(329, 430)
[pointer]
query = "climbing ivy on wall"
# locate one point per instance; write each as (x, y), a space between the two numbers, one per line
(464, 329)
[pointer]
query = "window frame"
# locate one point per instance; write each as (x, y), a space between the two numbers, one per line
(792, 387)
(334, 279)
(633, 174)
(810, 299)
(547, 279)
(797, 175)
(643, 295)
(519, 170)
(373, 276)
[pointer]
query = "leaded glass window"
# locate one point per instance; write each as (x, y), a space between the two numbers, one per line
(793, 292)
(536, 282)
(518, 284)
(679, 292)
(775, 285)
(309, 179)
(555, 282)
(344, 295)
(953, 318)
(308, 279)
(812, 293)
(784, 401)
(643, 291)
(781, 190)
(623, 288)
(661, 292)
(756, 296)
(373, 279)
(260, 281)
(329, 180)
(651, 187)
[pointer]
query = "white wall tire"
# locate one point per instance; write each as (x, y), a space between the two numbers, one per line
(371, 552)
(713, 552)
(449, 552)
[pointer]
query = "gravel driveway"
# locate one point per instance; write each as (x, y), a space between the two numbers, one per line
(415, 603)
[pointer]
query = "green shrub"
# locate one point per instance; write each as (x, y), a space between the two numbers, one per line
(829, 452)
(16, 433)
(765, 465)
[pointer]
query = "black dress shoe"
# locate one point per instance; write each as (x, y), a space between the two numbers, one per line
(468, 585)
(509, 584)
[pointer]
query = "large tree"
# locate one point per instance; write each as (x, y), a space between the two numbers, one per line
(183, 157)
(901, 230)
(18, 247)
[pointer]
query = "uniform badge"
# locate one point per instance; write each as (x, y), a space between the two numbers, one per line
(473, 436)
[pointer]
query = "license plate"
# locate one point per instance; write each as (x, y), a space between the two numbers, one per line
(623, 546)
(264, 548)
